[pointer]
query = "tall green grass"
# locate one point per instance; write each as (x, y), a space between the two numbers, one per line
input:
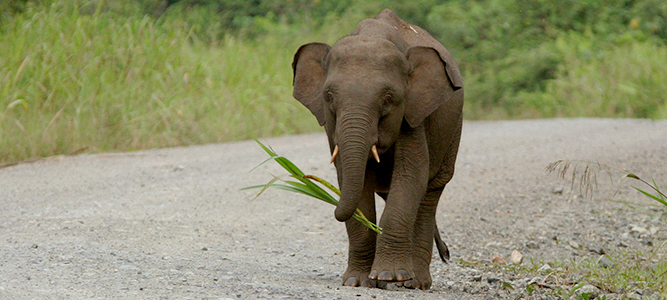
(70, 80)
(593, 78)
(626, 80)
(105, 77)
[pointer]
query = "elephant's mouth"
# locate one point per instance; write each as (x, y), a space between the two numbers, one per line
(384, 147)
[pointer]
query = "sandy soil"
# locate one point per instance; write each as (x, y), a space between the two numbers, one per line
(173, 224)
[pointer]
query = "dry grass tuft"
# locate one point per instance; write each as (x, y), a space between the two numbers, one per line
(588, 177)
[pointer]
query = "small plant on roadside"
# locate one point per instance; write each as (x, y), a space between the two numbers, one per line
(588, 177)
(305, 185)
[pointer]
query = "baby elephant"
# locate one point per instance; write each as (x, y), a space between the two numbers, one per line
(390, 98)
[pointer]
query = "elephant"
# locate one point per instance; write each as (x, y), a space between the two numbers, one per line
(390, 99)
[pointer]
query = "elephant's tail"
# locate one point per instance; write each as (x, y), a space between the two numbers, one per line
(442, 247)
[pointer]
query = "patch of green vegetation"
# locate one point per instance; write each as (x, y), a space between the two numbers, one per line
(69, 81)
(118, 75)
(628, 271)
(616, 81)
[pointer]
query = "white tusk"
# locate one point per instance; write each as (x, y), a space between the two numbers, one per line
(374, 150)
(334, 154)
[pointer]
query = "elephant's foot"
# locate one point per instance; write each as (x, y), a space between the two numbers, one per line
(417, 283)
(358, 278)
(422, 279)
(391, 270)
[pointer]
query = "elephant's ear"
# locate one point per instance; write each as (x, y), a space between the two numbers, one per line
(429, 85)
(309, 77)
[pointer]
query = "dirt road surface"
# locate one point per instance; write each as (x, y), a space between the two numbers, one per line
(173, 224)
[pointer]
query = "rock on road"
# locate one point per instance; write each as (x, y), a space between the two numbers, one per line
(173, 224)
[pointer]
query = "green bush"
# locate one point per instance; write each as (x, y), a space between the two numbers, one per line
(506, 49)
(622, 81)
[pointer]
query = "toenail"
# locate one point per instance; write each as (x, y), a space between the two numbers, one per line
(386, 276)
(402, 275)
(352, 281)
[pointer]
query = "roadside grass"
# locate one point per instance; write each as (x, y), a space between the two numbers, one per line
(624, 271)
(629, 271)
(69, 81)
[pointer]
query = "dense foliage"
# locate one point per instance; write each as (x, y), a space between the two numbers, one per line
(130, 74)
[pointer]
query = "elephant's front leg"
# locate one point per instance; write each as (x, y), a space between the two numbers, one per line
(422, 241)
(393, 257)
(362, 240)
(425, 225)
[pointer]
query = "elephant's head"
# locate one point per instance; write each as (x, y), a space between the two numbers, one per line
(361, 90)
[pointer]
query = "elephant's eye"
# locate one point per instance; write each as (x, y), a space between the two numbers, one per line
(387, 100)
(329, 100)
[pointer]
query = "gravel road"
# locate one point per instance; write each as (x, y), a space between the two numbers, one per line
(173, 224)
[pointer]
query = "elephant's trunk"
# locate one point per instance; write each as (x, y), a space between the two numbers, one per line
(355, 134)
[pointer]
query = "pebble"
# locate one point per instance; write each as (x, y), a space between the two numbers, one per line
(574, 245)
(498, 260)
(534, 280)
(544, 268)
(646, 240)
(653, 230)
(588, 289)
(492, 279)
(516, 257)
(597, 250)
(638, 229)
(532, 245)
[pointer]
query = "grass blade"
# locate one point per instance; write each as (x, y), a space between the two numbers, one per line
(263, 187)
(652, 196)
(324, 183)
(305, 185)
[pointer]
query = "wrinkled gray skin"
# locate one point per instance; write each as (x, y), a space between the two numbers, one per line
(392, 85)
